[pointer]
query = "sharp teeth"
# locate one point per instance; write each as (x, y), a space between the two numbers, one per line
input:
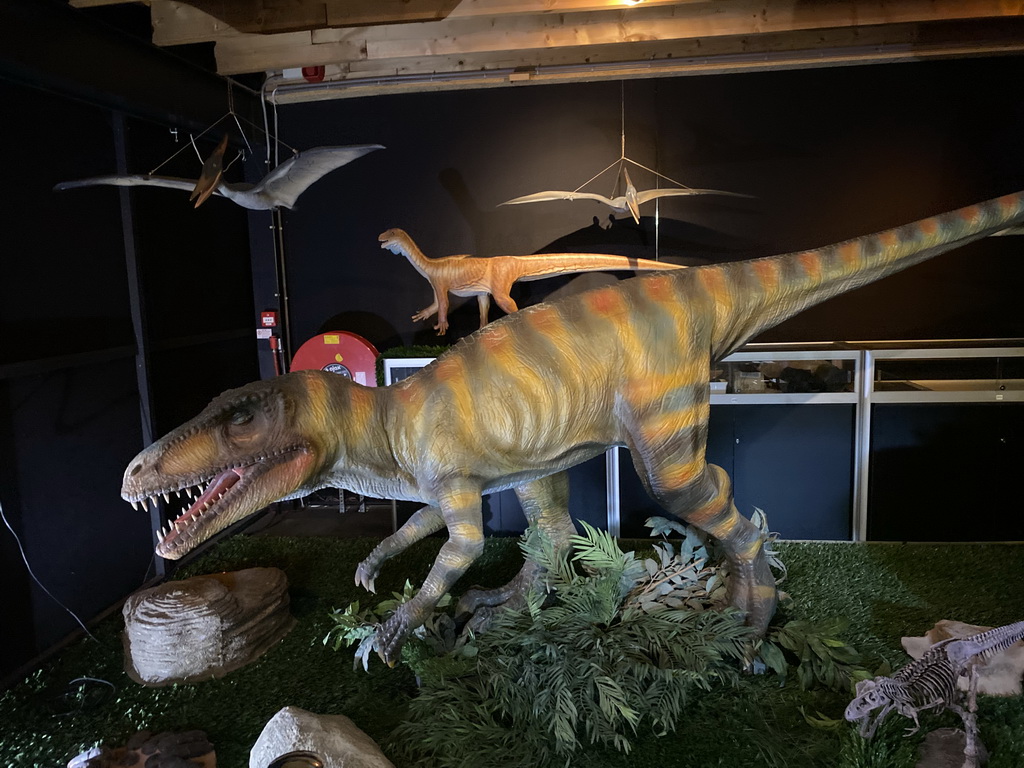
(178, 525)
(167, 497)
(135, 504)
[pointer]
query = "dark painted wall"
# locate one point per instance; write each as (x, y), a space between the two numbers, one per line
(68, 430)
(826, 155)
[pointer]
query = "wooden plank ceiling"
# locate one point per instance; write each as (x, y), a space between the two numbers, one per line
(379, 46)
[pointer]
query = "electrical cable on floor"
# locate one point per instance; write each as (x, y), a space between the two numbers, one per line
(31, 573)
(82, 697)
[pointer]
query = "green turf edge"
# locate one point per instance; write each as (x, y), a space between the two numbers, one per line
(886, 590)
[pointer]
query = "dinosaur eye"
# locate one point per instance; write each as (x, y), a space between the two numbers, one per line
(240, 418)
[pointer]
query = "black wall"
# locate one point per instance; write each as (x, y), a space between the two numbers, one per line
(70, 408)
(826, 155)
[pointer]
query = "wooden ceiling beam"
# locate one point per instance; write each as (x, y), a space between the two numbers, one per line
(970, 38)
(534, 37)
(179, 22)
(101, 3)
(192, 21)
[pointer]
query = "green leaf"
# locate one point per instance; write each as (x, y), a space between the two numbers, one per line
(774, 658)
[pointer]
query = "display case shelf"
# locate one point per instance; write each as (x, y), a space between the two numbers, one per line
(860, 375)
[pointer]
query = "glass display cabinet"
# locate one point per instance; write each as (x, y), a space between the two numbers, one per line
(851, 440)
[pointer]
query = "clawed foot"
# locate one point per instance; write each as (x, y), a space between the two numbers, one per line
(441, 328)
(366, 574)
(751, 589)
(392, 634)
(512, 595)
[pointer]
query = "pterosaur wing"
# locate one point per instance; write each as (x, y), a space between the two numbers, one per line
(540, 197)
(651, 194)
(136, 180)
(284, 184)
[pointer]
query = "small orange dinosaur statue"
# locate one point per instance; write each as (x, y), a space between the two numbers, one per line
(484, 277)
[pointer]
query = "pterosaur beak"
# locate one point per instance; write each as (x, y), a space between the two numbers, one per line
(213, 168)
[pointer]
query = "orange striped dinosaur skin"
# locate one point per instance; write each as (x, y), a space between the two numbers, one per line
(493, 276)
(530, 395)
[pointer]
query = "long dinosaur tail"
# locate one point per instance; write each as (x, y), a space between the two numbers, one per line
(546, 264)
(985, 644)
(775, 288)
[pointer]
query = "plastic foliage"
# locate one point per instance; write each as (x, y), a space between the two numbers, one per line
(888, 748)
(817, 651)
(679, 575)
(352, 625)
(760, 519)
(578, 664)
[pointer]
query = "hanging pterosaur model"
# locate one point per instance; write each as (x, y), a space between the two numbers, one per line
(630, 201)
(278, 189)
(209, 177)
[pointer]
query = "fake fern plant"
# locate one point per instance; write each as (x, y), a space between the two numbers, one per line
(609, 644)
(599, 653)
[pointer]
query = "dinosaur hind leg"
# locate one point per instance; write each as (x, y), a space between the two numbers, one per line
(483, 302)
(503, 298)
(672, 465)
(424, 522)
(545, 503)
(459, 505)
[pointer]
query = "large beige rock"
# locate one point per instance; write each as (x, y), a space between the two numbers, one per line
(335, 739)
(997, 676)
(204, 627)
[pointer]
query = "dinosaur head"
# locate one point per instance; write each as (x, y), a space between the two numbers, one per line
(249, 447)
(868, 699)
(393, 240)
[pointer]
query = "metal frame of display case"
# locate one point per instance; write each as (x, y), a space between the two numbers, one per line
(867, 396)
(865, 356)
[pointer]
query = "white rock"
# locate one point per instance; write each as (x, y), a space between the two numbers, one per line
(333, 738)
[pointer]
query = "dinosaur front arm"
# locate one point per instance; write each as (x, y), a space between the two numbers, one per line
(423, 314)
(459, 502)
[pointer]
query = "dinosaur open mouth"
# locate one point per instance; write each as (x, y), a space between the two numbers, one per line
(179, 536)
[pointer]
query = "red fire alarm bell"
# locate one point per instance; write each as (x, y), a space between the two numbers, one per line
(268, 319)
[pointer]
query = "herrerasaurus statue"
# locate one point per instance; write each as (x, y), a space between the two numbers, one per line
(530, 395)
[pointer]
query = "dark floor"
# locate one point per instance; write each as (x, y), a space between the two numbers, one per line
(323, 514)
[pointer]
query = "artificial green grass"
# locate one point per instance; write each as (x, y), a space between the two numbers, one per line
(886, 591)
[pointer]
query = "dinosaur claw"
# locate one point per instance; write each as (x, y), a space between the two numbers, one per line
(366, 575)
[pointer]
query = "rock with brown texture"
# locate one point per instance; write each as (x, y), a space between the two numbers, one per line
(205, 626)
(188, 749)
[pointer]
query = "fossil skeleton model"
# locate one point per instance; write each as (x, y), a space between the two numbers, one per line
(630, 200)
(931, 682)
(485, 277)
(278, 189)
(514, 404)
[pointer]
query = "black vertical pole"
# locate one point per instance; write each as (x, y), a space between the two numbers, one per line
(139, 325)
